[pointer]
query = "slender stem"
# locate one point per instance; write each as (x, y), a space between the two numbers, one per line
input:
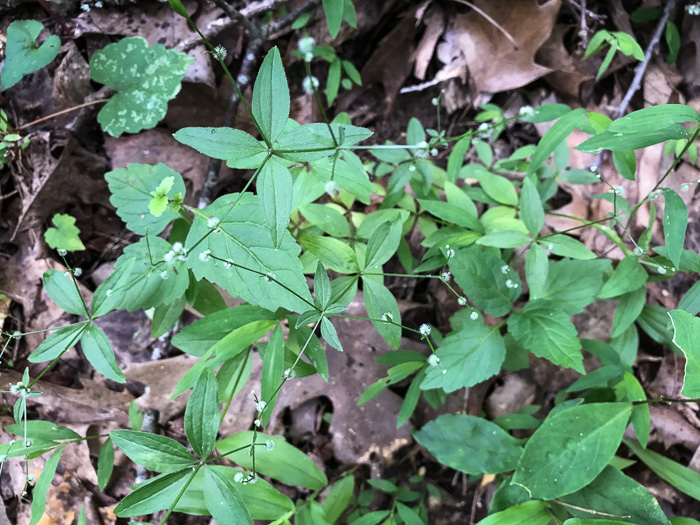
(666, 399)
(62, 112)
(590, 511)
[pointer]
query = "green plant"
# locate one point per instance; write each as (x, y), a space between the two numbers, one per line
(618, 41)
(250, 245)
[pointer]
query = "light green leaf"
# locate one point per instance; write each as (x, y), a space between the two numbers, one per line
(627, 277)
(105, 464)
(382, 244)
(65, 236)
(673, 41)
(271, 97)
(334, 253)
(629, 307)
(498, 188)
(42, 486)
(202, 414)
(546, 331)
(166, 315)
(158, 494)
(98, 351)
(327, 219)
(484, 278)
(571, 448)
(284, 462)
(626, 163)
(294, 142)
(470, 444)
(618, 141)
(675, 223)
(578, 521)
(531, 210)
(338, 498)
(691, 300)
(504, 239)
(371, 518)
(452, 213)
(536, 270)
(683, 478)
(275, 193)
(572, 285)
(566, 246)
(557, 134)
(64, 292)
(57, 343)
(22, 54)
(686, 335)
(322, 286)
(145, 77)
(661, 116)
(456, 158)
(455, 195)
(471, 354)
(333, 10)
(381, 304)
(42, 430)
(227, 144)
(528, 513)
(614, 493)
(330, 335)
(243, 241)
(223, 500)
(131, 189)
(154, 452)
(273, 368)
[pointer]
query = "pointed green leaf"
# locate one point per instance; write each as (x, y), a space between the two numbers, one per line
(64, 292)
(65, 236)
(625, 163)
(322, 286)
(42, 486)
(57, 343)
(98, 351)
(571, 448)
(382, 244)
(630, 141)
(330, 335)
(383, 311)
(686, 335)
(333, 10)
(629, 307)
(338, 498)
(660, 116)
(536, 270)
(271, 97)
(504, 239)
(326, 218)
(22, 54)
(531, 210)
(334, 253)
(572, 285)
(105, 464)
(557, 134)
(675, 223)
(566, 246)
(627, 277)
(223, 500)
(275, 191)
(202, 414)
(145, 77)
(223, 143)
(528, 513)
(158, 494)
(154, 452)
(273, 368)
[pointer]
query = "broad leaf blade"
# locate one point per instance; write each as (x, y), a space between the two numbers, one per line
(154, 452)
(202, 414)
(271, 97)
(531, 210)
(223, 143)
(22, 55)
(57, 343)
(686, 335)
(383, 311)
(675, 224)
(42, 486)
(64, 292)
(223, 500)
(157, 494)
(98, 351)
(275, 191)
(105, 464)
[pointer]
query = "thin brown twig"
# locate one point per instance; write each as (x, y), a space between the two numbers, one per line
(590, 511)
(62, 112)
(490, 19)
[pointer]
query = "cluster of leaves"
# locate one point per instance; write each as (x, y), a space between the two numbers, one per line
(302, 221)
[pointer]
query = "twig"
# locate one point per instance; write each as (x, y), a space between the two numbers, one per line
(62, 112)
(583, 31)
(235, 14)
(638, 74)
(590, 511)
(150, 425)
(491, 20)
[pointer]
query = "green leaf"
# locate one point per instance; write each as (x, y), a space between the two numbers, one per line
(158, 494)
(231, 145)
(371, 518)
(673, 41)
(42, 486)
(620, 141)
(456, 158)
(273, 368)
(571, 448)
(333, 10)
(98, 351)
(408, 515)
(284, 462)
(528, 513)
(327, 219)
(334, 253)
(546, 331)
(675, 223)
(202, 414)
(469, 444)
(159, 203)
(627, 277)
(165, 316)
(243, 241)
(381, 304)
(504, 239)
(566, 246)
(275, 193)
(498, 188)
(131, 189)
(42, 430)
(686, 335)
(410, 400)
(691, 300)
(315, 137)
(223, 500)
(577, 521)
(661, 116)
(154, 452)
(135, 417)
(22, 54)
(484, 278)
(330, 335)
(65, 236)
(628, 309)
(683, 478)
(536, 270)
(468, 356)
(145, 77)
(64, 292)
(338, 498)
(271, 97)
(105, 464)
(382, 244)
(531, 210)
(626, 163)
(333, 81)
(322, 286)
(571, 284)
(557, 134)
(614, 493)
(452, 213)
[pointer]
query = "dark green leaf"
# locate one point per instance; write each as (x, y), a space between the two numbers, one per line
(686, 336)
(625, 163)
(383, 311)
(154, 452)
(334, 15)
(22, 54)
(557, 134)
(382, 244)
(223, 143)
(223, 500)
(531, 210)
(691, 300)
(158, 494)
(338, 498)
(202, 414)
(619, 141)
(98, 351)
(675, 223)
(628, 309)
(627, 277)
(105, 464)
(275, 193)
(271, 97)
(166, 315)
(42, 430)
(42, 486)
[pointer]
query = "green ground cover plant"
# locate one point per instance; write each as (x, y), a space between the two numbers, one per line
(478, 220)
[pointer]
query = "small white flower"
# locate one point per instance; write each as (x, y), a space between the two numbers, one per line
(685, 186)
(332, 188)
(238, 477)
(308, 57)
(15, 389)
(260, 406)
(661, 270)
(422, 149)
(109, 292)
(639, 251)
(213, 222)
(178, 247)
(306, 44)
(433, 360)
(412, 167)
(484, 130)
(434, 152)
(62, 252)
(228, 264)
(526, 112)
(461, 301)
(269, 277)
(449, 252)
(424, 330)
(309, 85)
(269, 444)
(693, 9)
(220, 51)
(252, 479)
(474, 316)
(169, 257)
(28, 443)
(511, 284)
(445, 276)
(620, 191)
(85, 8)
(257, 423)
(504, 269)
(164, 275)
(31, 478)
(98, 4)
(205, 255)
(434, 101)
(387, 317)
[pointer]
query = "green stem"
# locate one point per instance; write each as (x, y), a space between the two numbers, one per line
(180, 494)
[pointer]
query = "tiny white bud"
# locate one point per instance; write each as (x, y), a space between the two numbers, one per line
(473, 316)
(445, 276)
(78, 272)
(238, 477)
(526, 112)
(85, 8)
(269, 444)
(306, 44)
(412, 167)
(434, 152)
(164, 275)
(308, 57)
(260, 406)
(309, 85)
(639, 250)
(220, 51)
(331, 188)
(433, 360)
(504, 269)
(205, 255)
(169, 257)
(462, 301)
(257, 423)
(109, 292)
(424, 330)
(661, 270)
(619, 191)
(434, 101)
(213, 222)
(685, 186)
(62, 252)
